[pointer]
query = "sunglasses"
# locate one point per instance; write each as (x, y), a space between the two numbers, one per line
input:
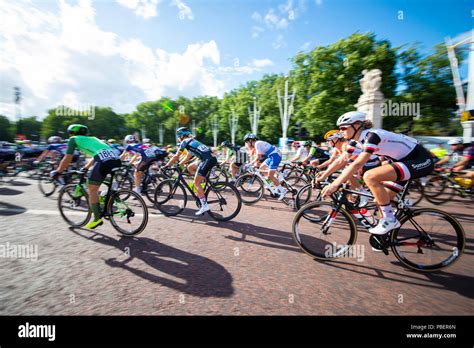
(343, 128)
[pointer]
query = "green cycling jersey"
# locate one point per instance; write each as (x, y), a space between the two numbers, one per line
(88, 145)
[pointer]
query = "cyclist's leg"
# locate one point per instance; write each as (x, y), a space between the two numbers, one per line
(204, 167)
(138, 175)
(193, 167)
(234, 169)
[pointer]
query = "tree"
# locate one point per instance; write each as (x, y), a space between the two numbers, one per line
(6, 133)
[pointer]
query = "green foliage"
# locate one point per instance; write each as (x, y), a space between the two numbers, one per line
(6, 132)
(327, 84)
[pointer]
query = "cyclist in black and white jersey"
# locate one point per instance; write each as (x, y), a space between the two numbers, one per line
(409, 161)
(201, 168)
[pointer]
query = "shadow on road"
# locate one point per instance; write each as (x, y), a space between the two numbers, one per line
(4, 191)
(201, 276)
(18, 182)
(437, 280)
(282, 240)
(7, 209)
(463, 217)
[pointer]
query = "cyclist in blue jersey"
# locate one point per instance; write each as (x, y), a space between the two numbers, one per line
(269, 158)
(57, 150)
(200, 168)
(143, 154)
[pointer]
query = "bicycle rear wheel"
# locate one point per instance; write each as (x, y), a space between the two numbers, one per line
(74, 208)
(224, 201)
(293, 184)
(322, 232)
(170, 198)
(436, 190)
(250, 188)
(428, 240)
(128, 212)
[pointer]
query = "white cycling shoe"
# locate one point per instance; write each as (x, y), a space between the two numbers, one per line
(203, 209)
(282, 193)
(384, 226)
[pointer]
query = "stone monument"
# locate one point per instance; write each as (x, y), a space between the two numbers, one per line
(372, 98)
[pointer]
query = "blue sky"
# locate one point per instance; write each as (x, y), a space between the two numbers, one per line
(122, 52)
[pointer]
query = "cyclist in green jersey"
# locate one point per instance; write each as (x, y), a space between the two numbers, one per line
(103, 159)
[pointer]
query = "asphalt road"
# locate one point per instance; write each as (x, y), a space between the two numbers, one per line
(188, 265)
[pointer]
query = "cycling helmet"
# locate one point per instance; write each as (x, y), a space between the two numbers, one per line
(55, 140)
(225, 143)
(457, 141)
(77, 129)
(146, 141)
(333, 134)
(130, 139)
(111, 141)
(351, 117)
(249, 136)
(183, 131)
(307, 143)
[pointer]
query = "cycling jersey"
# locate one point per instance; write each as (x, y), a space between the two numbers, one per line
(196, 148)
(456, 156)
(264, 148)
(318, 153)
(142, 149)
(118, 149)
(385, 143)
(302, 153)
(58, 148)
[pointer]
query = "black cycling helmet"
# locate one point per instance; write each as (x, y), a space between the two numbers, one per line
(226, 143)
(249, 136)
(77, 129)
(308, 143)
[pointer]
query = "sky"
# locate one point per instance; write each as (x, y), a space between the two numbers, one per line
(120, 53)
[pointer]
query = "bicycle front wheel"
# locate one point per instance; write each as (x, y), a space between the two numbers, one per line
(224, 201)
(250, 188)
(46, 185)
(128, 212)
(428, 240)
(170, 198)
(322, 231)
(74, 206)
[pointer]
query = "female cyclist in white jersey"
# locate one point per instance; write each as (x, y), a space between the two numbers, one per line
(409, 161)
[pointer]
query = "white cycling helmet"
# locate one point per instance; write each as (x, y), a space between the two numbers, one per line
(351, 117)
(130, 139)
(146, 141)
(55, 139)
(457, 141)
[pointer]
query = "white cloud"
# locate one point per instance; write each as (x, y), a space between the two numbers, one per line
(261, 63)
(185, 11)
(319, 2)
(255, 66)
(142, 8)
(66, 57)
(305, 46)
(256, 30)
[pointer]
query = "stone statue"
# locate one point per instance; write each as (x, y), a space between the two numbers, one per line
(371, 81)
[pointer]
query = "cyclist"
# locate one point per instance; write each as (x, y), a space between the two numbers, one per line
(459, 150)
(103, 159)
(117, 148)
(410, 161)
(57, 150)
(316, 156)
(302, 151)
(235, 156)
(143, 154)
(269, 158)
(201, 168)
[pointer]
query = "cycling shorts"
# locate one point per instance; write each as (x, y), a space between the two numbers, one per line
(206, 165)
(273, 160)
(145, 163)
(418, 163)
(101, 169)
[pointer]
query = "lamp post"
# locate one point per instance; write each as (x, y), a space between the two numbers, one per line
(215, 129)
(254, 116)
(233, 124)
(286, 110)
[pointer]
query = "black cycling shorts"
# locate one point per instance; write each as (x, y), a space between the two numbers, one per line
(145, 164)
(206, 165)
(101, 169)
(418, 163)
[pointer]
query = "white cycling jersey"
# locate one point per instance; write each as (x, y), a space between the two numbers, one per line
(302, 153)
(264, 148)
(384, 143)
